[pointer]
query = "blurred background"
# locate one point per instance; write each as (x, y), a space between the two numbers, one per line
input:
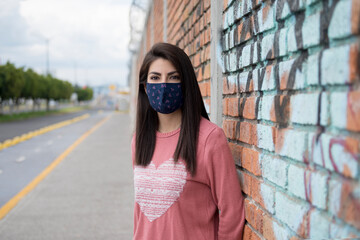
(64, 72)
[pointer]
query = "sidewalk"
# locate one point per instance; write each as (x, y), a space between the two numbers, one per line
(89, 195)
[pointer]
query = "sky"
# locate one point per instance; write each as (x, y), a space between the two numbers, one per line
(88, 39)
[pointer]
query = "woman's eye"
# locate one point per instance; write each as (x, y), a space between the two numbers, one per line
(176, 77)
(154, 77)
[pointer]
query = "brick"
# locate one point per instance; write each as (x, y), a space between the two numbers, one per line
(268, 197)
(319, 225)
(282, 42)
(233, 106)
(230, 16)
(344, 200)
(312, 70)
(267, 47)
(232, 61)
(232, 40)
(249, 109)
(250, 161)
(229, 127)
(324, 109)
(255, 53)
(265, 137)
(290, 77)
(207, 71)
(230, 84)
(318, 189)
(338, 107)
(225, 106)
(266, 106)
(311, 30)
(265, 18)
(304, 108)
(245, 56)
(290, 143)
(345, 19)
(204, 86)
(264, 78)
(292, 212)
(274, 170)
(353, 111)
(245, 183)
(296, 181)
(196, 62)
(291, 40)
(339, 64)
(246, 133)
(236, 151)
(242, 81)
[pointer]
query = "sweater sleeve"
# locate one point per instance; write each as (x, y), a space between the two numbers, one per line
(225, 186)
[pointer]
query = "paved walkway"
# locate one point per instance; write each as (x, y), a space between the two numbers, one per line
(89, 195)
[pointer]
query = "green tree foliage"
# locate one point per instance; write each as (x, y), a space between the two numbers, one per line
(13, 82)
(16, 83)
(84, 94)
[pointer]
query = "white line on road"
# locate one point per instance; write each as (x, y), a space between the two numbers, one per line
(49, 142)
(21, 159)
(1, 171)
(37, 150)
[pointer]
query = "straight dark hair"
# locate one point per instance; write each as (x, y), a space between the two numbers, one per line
(193, 108)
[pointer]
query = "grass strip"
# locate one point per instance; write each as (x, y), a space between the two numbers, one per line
(27, 115)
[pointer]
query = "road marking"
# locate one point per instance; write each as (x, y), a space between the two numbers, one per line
(4, 210)
(37, 150)
(20, 159)
(1, 171)
(50, 142)
(11, 142)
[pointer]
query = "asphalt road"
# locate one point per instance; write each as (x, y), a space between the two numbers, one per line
(9, 130)
(89, 195)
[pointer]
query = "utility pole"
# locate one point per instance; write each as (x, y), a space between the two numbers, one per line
(47, 57)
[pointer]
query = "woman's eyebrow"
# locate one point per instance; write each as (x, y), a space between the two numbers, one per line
(156, 73)
(170, 73)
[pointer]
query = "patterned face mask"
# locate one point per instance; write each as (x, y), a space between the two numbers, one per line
(165, 97)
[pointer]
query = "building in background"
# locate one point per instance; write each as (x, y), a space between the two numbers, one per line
(282, 79)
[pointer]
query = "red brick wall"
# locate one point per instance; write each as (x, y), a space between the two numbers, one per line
(290, 106)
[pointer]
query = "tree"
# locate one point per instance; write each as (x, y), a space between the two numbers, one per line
(31, 88)
(13, 82)
(84, 94)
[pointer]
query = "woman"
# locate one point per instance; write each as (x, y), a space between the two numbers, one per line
(186, 185)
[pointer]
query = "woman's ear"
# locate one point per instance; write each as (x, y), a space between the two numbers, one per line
(145, 88)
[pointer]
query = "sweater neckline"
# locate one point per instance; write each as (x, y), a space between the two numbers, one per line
(167, 134)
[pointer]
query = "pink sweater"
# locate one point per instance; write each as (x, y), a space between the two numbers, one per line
(170, 204)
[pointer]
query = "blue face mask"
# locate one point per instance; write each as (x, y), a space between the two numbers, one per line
(165, 97)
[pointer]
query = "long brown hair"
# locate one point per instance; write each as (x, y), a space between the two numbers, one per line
(147, 121)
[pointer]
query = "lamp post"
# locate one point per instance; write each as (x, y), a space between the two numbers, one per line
(47, 56)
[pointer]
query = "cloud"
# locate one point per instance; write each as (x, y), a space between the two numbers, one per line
(87, 33)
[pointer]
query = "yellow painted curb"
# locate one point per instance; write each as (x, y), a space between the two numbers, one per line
(14, 201)
(11, 142)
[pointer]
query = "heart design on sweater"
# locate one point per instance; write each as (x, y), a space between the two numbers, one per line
(157, 189)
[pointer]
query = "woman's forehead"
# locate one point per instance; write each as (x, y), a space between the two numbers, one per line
(161, 65)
